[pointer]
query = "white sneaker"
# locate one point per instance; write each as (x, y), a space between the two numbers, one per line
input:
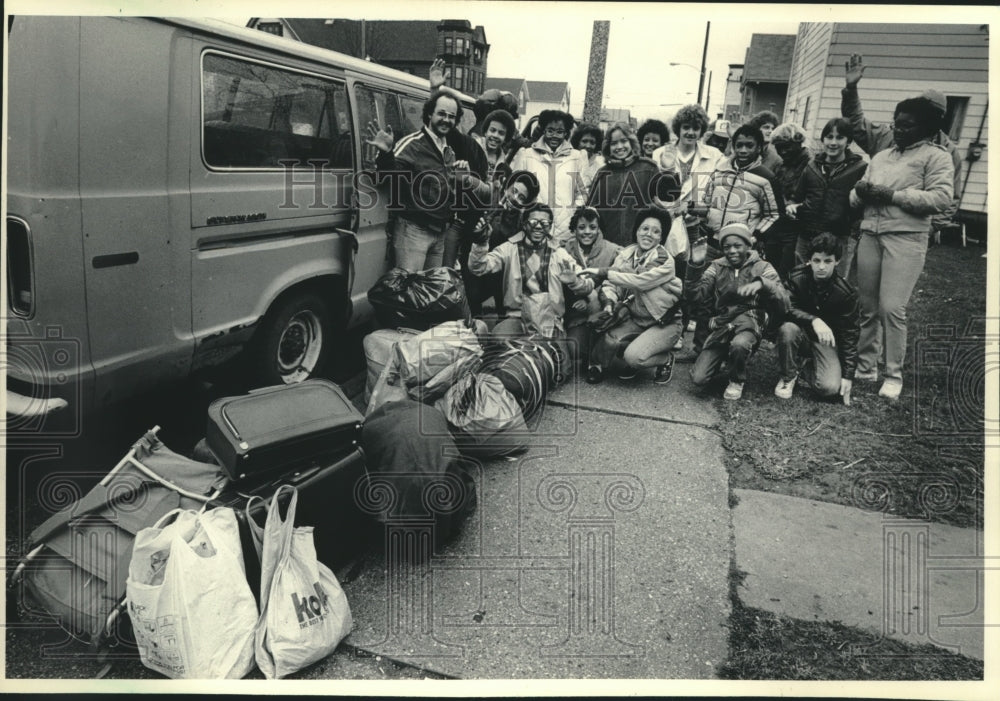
(867, 376)
(734, 391)
(784, 388)
(891, 389)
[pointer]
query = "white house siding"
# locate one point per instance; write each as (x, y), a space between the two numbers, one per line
(808, 72)
(901, 61)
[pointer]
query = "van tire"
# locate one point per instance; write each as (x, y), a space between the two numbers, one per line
(294, 340)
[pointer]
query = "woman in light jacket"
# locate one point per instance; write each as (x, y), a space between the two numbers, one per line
(558, 166)
(904, 186)
(642, 279)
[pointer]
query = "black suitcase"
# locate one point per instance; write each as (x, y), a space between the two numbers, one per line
(328, 501)
(276, 428)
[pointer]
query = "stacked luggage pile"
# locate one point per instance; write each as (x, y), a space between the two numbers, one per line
(439, 390)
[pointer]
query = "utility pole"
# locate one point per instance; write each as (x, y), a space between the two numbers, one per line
(708, 92)
(594, 98)
(704, 55)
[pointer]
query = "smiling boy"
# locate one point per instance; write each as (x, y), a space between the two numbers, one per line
(823, 325)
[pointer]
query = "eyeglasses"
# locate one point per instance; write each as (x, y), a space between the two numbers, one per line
(554, 131)
(539, 223)
(446, 115)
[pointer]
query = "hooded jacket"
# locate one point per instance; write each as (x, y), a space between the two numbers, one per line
(650, 275)
(836, 303)
(921, 176)
(746, 195)
(713, 288)
(872, 137)
(560, 178)
(826, 198)
(786, 180)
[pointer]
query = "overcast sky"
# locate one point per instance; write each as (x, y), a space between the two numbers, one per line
(551, 40)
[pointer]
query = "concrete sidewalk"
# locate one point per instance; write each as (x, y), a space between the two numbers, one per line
(602, 552)
(915, 581)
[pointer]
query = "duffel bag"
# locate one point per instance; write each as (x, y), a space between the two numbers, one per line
(485, 418)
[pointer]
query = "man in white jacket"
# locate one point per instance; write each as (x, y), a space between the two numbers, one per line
(559, 168)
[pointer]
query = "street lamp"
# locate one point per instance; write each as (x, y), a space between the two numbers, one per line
(701, 79)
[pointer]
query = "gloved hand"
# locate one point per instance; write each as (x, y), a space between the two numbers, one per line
(881, 194)
(863, 189)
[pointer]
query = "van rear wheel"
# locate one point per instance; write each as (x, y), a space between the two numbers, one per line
(294, 340)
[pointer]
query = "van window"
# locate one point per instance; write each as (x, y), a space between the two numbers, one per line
(412, 113)
(257, 116)
(380, 106)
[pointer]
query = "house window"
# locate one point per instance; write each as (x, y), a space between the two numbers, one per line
(460, 78)
(460, 46)
(447, 45)
(274, 28)
(478, 53)
(805, 113)
(954, 117)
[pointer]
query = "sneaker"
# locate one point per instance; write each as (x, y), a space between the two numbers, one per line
(680, 343)
(734, 391)
(692, 325)
(867, 376)
(891, 389)
(664, 372)
(627, 374)
(594, 374)
(784, 388)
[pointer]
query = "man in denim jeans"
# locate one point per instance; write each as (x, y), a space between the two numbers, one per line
(428, 179)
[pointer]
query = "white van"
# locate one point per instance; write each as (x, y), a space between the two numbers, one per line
(153, 227)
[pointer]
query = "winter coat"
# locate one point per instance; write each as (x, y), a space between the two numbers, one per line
(594, 164)
(872, 137)
(602, 255)
(650, 276)
(745, 195)
(787, 176)
(836, 303)
(619, 191)
(505, 258)
(921, 176)
(713, 287)
(559, 177)
(826, 198)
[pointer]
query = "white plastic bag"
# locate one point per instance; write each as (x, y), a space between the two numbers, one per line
(304, 612)
(192, 609)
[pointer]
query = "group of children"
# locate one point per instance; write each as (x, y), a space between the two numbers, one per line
(621, 241)
(626, 307)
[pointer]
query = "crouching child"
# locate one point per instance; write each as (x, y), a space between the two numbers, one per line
(534, 269)
(736, 292)
(818, 343)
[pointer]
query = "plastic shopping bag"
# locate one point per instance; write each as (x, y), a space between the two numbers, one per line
(304, 612)
(191, 607)
(430, 362)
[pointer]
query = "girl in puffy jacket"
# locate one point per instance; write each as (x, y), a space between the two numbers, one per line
(903, 187)
(821, 200)
(643, 281)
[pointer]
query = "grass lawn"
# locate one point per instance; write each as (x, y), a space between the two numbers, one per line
(921, 457)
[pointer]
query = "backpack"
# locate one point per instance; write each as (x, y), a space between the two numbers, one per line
(78, 559)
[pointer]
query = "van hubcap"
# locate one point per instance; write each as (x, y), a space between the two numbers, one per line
(299, 347)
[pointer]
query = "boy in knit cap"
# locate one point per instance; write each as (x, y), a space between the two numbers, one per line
(735, 291)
